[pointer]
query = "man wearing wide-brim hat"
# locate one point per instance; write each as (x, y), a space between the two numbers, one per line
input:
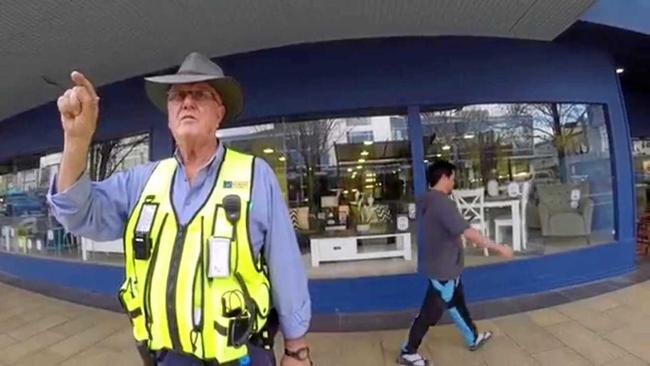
(211, 259)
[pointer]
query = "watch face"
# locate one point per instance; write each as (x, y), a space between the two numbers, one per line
(303, 353)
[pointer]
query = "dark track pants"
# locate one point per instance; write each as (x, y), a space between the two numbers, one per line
(441, 295)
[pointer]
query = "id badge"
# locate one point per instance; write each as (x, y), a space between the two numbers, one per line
(145, 221)
(218, 257)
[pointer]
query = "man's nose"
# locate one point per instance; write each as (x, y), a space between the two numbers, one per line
(188, 101)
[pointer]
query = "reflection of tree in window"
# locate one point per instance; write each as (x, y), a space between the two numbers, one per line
(558, 129)
(500, 138)
(108, 157)
(313, 141)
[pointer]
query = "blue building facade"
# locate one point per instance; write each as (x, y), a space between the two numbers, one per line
(392, 76)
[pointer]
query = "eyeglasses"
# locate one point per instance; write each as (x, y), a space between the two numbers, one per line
(197, 95)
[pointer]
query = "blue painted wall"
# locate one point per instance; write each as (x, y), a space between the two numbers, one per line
(340, 77)
(637, 102)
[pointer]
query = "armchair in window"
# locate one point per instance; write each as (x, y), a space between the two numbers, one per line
(565, 210)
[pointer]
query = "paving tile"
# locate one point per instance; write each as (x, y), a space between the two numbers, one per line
(561, 356)
(6, 340)
(74, 326)
(635, 296)
(528, 335)
(546, 317)
(86, 338)
(359, 348)
(601, 303)
(635, 339)
(611, 329)
(95, 357)
(503, 351)
(587, 343)
(588, 317)
(36, 343)
(627, 361)
(119, 341)
(131, 358)
(449, 352)
(37, 326)
(628, 315)
(41, 357)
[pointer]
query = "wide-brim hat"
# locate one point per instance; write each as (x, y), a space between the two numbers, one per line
(194, 69)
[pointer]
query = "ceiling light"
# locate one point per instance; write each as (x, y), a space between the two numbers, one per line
(362, 160)
(268, 150)
(446, 147)
(359, 166)
(367, 143)
(364, 153)
(468, 136)
(620, 70)
(349, 169)
(282, 158)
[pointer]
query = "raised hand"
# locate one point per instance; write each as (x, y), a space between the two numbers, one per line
(79, 109)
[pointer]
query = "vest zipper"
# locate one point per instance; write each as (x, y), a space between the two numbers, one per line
(172, 284)
(198, 271)
(147, 284)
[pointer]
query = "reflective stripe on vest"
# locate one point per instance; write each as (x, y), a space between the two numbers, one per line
(170, 299)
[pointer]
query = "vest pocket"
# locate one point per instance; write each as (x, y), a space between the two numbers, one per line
(132, 307)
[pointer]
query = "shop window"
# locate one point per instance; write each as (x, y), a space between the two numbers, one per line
(26, 223)
(550, 160)
(349, 191)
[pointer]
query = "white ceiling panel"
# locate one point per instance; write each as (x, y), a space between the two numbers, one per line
(118, 39)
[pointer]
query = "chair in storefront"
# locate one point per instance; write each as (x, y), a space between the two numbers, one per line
(57, 240)
(565, 210)
(509, 221)
(471, 204)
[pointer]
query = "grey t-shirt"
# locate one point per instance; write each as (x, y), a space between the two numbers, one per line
(443, 227)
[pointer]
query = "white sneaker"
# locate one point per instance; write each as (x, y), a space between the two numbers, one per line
(480, 340)
(412, 359)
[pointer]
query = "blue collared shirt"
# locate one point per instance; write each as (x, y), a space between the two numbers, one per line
(99, 211)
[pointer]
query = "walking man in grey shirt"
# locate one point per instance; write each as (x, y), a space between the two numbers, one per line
(444, 262)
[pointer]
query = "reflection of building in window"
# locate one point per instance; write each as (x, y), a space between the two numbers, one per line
(360, 136)
(20, 174)
(398, 128)
(357, 121)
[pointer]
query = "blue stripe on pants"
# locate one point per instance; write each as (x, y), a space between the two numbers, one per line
(447, 292)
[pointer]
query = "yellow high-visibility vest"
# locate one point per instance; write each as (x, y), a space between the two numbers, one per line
(171, 300)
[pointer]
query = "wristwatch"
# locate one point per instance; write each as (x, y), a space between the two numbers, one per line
(301, 354)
